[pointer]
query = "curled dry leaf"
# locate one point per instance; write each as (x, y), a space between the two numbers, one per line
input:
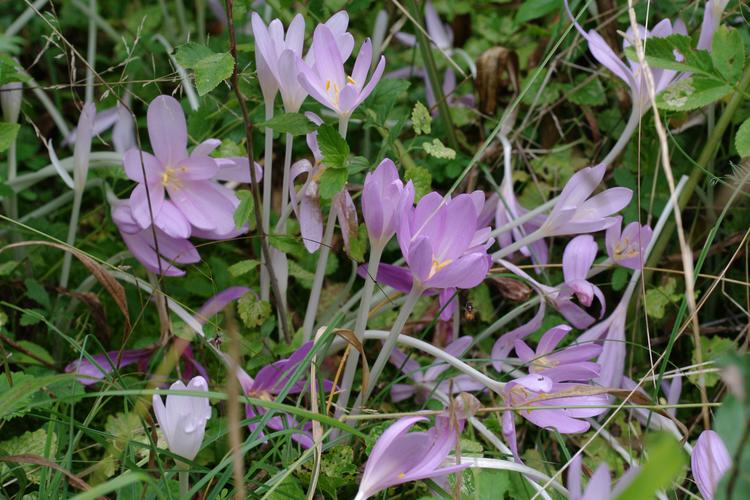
(110, 284)
(497, 71)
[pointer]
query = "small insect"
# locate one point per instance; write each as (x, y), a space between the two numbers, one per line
(469, 311)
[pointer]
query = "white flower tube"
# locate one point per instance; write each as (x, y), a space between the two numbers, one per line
(183, 419)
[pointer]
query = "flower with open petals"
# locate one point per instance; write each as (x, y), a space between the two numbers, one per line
(200, 201)
(709, 462)
(183, 419)
(626, 246)
(573, 360)
(429, 379)
(400, 456)
(577, 212)
(326, 80)
(384, 198)
(442, 244)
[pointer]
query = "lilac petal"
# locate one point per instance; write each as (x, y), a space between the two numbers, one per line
(551, 338)
(396, 277)
(401, 392)
(420, 258)
(328, 60)
(93, 371)
(448, 301)
(198, 168)
(206, 147)
(237, 169)
(406, 38)
(575, 315)
(607, 202)
(407, 365)
(362, 64)
(466, 272)
(172, 222)
(139, 203)
(348, 100)
(295, 34)
(578, 257)
(204, 206)
(709, 462)
(219, 301)
(131, 160)
(599, 484)
(311, 222)
(442, 38)
(167, 130)
(374, 79)
(606, 56)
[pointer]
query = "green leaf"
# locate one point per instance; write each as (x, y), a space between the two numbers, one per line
(728, 53)
(590, 93)
(252, 311)
(26, 389)
(8, 133)
(712, 349)
(332, 181)
(243, 214)
(33, 348)
(742, 139)
(333, 147)
(358, 244)
(301, 274)
(534, 9)
(481, 302)
(666, 460)
(421, 178)
(290, 123)
(37, 293)
(657, 299)
(675, 52)
(619, 279)
(691, 93)
(490, 484)
(211, 71)
(191, 53)
(29, 443)
(421, 120)
(358, 164)
(384, 96)
(31, 317)
(243, 267)
(437, 149)
(9, 71)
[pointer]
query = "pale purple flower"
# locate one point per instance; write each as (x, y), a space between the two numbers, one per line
(276, 57)
(572, 360)
(269, 382)
(709, 461)
(711, 19)
(183, 419)
(578, 257)
(400, 456)
(82, 148)
(200, 201)
(611, 332)
(577, 211)
(11, 97)
(442, 243)
(306, 201)
(427, 380)
(599, 487)
(632, 73)
(441, 34)
(384, 198)
(119, 120)
(173, 249)
(560, 388)
(626, 248)
(326, 80)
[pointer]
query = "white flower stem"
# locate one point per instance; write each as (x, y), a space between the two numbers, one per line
(184, 480)
(320, 271)
(343, 125)
(627, 133)
(390, 343)
(91, 54)
(265, 282)
(519, 244)
(72, 230)
(359, 328)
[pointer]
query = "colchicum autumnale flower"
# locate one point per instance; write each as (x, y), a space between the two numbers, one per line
(709, 461)
(626, 248)
(183, 419)
(384, 199)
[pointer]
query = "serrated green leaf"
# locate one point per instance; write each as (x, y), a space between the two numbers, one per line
(666, 459)
(8, 133)
(290, 123)
(333, 147)
(332, 181)
(191, 53)
(437, 149)
(243, 214)
(691, 93)
(243, 267)
(211, 71)
(421, 120)
(658, 298)
(252, 311)
(421, 178)
(728, 53)
(742, 139)
(358, 164)
(675, 52)
(590, 93)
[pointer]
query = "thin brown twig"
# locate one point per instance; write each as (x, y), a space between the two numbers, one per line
(278, 300)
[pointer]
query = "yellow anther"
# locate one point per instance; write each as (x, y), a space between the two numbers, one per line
(349, 79)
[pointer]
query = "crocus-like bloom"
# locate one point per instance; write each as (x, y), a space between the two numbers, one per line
(572, 360)
(276, 58)
(442, 244)
(599, 487)
(200, 201)
(183, 419)
(269, 382)
(626, 248)
(578, 257)
(576, 211)
(709, 461)
(632, 73)
(559, 388)
(101, 365)
(384, 198)
(172, 249)
(429, 379)
(326, 81)
(400, 456)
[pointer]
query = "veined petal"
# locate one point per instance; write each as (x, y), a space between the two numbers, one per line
(167, 130)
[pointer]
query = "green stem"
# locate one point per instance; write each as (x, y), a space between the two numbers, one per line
(432, 74)
(706, 156)
(184, 480)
